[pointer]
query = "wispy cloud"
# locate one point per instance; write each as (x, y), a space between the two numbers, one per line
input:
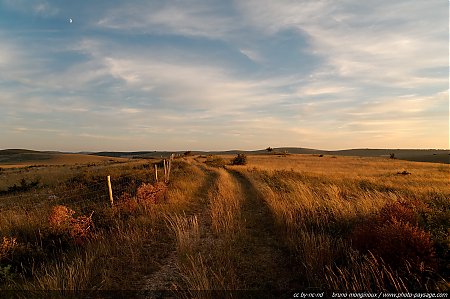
(195, 18)
(377, 42)
(40, 8)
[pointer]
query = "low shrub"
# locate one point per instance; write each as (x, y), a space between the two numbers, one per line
(397, 243)
(148, 193)
(6, 274)
(127, 204)
(240, 159)
(394, 235)
(61, 221)
(398, 211)
(7, 246)
(23, 186)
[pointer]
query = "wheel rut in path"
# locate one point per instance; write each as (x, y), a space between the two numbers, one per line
(168, 276)
(265, 262)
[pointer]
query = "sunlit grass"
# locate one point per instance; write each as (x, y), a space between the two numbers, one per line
(321, 207)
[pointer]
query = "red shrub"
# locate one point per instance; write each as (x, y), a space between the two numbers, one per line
(404, 211)
(7, 246)
(397, 212)
(394, 236)
(79, 228)
(148, 193)
(60, 217)
(396, 242)
(127, 204)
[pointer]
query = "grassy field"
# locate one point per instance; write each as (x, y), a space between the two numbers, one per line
(293, 222)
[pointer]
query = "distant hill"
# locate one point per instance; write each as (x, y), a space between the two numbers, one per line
(23, 157)
(432, 155)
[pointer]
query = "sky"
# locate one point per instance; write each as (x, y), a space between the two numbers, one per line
(218, 75)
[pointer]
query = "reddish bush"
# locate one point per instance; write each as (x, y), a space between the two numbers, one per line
(148, 193)
(396, 243)
(81, 229)
(127, 204)
(398, 211)
(7, 246)
(60, 217)
(394, 236)
(61, 221)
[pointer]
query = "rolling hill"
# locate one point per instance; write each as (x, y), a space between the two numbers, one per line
(418, 155)
(23, 157)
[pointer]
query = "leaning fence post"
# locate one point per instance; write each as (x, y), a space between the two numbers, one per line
(156, 172)
(111, 200)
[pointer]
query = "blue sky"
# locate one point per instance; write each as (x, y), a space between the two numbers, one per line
(213, 75)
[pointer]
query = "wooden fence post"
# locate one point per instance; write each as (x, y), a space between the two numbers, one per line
(165, 170)
(111, 200)
(168, 170)
(156, 172)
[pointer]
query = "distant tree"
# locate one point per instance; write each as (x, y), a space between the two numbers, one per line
(392, 156)
(187, 153)
(269, 149)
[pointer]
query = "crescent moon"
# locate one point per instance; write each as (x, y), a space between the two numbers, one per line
(70, 20)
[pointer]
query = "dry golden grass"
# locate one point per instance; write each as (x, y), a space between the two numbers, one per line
(366, 273)
(209, 258)
(318, 201)
(233, 228)
(196, 274)
(125, 244)
(225, 200)
(187, 232)
(66, 274)
(381, 172)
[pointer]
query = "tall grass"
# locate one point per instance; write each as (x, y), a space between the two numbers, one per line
(187, 232)
(125, 244)
(364, 273)
(317, 216)
(208, 257)
(325, 211)
(72, 273)
(225, 200)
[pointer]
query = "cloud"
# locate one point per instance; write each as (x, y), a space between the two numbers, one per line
(39, 8)
(192, 84)
(377, 42)
(45, 9)
(323, 89)
(195, 18)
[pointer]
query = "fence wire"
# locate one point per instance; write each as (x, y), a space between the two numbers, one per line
(95, 194)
